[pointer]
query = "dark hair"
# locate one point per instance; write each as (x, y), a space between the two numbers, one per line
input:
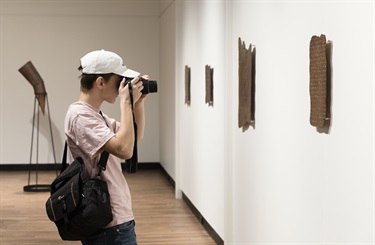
(87, 80)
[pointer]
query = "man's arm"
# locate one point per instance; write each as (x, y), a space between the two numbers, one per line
(122, 144)
(139, 114)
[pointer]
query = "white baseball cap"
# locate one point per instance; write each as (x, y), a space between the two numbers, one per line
(105, 62)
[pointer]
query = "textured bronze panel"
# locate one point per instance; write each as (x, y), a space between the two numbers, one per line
(209, 85)
(245, 84)
(318, 81)
(187, 85)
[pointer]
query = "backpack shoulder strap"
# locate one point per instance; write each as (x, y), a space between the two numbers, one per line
(63, 162)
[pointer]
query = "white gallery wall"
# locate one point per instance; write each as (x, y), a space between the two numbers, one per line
(281, 182)
(201, 145)
(167, 85)
(54, 35)
(292, 184)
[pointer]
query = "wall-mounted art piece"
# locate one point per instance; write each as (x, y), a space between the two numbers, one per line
(246, 85)
(187, 85)
(320, 81)
(209, 85)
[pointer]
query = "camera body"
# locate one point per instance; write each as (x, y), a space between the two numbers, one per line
(149, 86)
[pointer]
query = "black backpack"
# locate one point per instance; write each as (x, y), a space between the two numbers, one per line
(79, 208)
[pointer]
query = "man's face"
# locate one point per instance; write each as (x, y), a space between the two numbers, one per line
(111, 86)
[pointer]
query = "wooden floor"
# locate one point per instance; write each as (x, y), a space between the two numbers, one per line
(160, 218)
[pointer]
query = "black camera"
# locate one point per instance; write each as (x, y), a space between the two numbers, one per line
(149, 86)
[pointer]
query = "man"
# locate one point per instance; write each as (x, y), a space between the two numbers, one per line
(90, 132)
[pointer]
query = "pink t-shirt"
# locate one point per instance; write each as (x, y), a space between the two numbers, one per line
(87, 132)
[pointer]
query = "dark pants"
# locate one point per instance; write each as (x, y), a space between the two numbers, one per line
(123, 234)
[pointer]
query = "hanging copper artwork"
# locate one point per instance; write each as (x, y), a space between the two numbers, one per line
(320, 81)
(246, 85)
(187, 85)
(209, 85)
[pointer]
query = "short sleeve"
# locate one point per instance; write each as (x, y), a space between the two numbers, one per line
(91, 133)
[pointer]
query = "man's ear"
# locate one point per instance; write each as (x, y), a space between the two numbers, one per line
(99, 82)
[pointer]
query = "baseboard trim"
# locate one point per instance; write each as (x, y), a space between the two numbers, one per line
(32, 167)
(169, 178)
(57, 166)
(195, 211)
(203, 221)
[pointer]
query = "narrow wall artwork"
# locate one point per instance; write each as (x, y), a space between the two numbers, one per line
(320, 81)
(246, 85)
(187, 85)
(209, 85)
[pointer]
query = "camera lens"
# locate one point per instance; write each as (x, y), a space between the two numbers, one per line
(149, 86)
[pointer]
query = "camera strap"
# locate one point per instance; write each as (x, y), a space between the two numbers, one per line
(131, 164)
(132, 105)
